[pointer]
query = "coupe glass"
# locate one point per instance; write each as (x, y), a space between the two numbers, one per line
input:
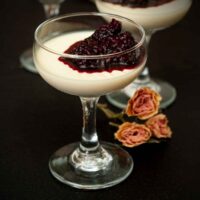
(152, 19)
(88, 164)
(51, 8)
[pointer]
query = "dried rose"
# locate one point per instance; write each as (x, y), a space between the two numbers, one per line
(159, 126)
(132, 134)
(144, 103)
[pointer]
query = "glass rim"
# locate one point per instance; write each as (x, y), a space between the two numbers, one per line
(100, 56)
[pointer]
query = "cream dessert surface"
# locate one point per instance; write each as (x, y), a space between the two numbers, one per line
(71, 81)
(154, 17)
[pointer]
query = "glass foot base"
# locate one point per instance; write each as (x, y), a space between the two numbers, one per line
(26, 60)
(120, 168)
(166, 90)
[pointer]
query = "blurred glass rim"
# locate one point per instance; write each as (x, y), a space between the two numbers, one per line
(101, 56)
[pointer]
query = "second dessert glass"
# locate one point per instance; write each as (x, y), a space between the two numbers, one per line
(88, 164)
(153, 16)
(51, 9)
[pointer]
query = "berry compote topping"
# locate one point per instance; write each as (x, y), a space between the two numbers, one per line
(139, 3)
(107, 39)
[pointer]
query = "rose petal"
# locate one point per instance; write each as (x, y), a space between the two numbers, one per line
(159, 126)
(144, 103)
(132, 134)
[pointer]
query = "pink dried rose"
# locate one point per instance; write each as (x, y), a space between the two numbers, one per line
(159, 126)
(132, 134)
(144, 103)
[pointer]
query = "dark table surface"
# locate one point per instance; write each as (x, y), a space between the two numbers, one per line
(36, 119)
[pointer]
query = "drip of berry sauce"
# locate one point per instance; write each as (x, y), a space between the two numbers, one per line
(139, 3)
(107, 39)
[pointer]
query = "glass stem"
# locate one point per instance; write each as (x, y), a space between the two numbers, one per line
(90, 156)
(89, 140)
(144, 77)
(51, 10)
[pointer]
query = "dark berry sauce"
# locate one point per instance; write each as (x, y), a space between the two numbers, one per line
(139, 3)
(107, 39)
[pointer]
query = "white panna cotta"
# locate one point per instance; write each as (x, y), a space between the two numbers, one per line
(151, 18)
(68, 80)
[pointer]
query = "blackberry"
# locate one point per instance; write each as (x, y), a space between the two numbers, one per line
(107, 39)
(138, 3)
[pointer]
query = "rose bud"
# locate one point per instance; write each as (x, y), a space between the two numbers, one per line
(144, 103)
(159, 126)
(132, 134)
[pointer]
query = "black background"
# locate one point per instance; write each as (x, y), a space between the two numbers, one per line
(36, 119)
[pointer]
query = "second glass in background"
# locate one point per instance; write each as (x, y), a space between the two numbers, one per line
(51, 8)
(152, 18)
